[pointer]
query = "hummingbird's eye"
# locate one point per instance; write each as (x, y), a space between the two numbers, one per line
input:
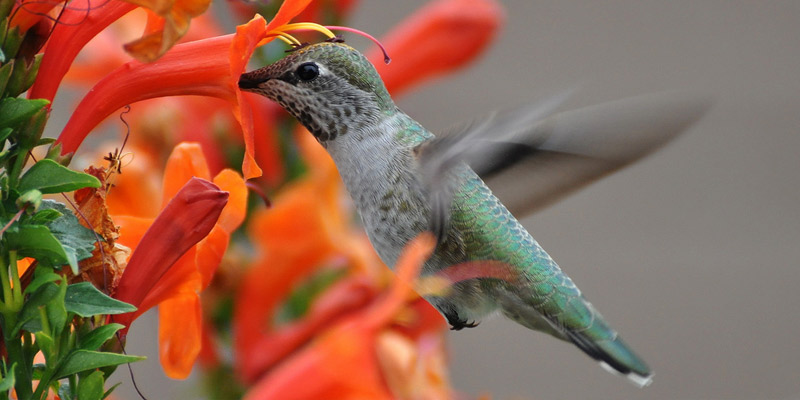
(307, 71)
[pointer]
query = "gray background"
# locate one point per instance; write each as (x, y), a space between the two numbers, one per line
(692, 254)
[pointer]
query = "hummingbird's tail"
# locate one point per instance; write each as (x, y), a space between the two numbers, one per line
(614, 356)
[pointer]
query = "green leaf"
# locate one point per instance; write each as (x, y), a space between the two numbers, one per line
(8, 380)
(85, 300)
(31, 130)
(94, 339)
(84, 360)
(23, 75)
(5, 73)
(44, 141)
(48, 176)
(40, 277)
(5, 132)
(38, 242)
(77, 240)
(29, 316)
(51, 297)
(11, 44)
(56, 311)
(90, 387)
(43, 217)
(46, 344)
(15, 111)
(111, 389)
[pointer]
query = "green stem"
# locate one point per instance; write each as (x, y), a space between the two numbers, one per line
(8, 297)
(23, 384)
(44, 385)
(16, 285)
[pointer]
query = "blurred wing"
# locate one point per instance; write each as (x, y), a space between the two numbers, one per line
(530, 159)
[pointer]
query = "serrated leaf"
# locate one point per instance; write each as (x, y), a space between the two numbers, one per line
(8, 380)
(94, 339)
(48, 176)
(15, 111)
(90, 387)
(77, 240)
(84, 360)
(85, 300)
(37, 241)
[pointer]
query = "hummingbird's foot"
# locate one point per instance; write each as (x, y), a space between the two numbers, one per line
(457, 324)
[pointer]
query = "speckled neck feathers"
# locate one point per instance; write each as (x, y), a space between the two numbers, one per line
(347, 94)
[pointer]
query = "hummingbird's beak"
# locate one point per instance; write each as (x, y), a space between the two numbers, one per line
(251, 80)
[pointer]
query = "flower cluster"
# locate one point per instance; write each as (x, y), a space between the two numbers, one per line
(291, 287)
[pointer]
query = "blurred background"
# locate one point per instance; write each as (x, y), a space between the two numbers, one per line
(693, 254)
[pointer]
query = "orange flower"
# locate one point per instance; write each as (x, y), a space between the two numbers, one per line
(209, 67)
(344, 360)
(437, 39)
(79, 23)
(302, 231)
(177, 289)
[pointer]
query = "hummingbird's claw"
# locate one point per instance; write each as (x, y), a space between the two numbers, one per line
(457, 324)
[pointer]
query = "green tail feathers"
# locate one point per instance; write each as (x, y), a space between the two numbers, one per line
(615, 356)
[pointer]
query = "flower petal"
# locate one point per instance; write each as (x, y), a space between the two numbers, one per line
(234, 212)
(244, 43)
(167, 23)
(137, 190)
(194, 68)
(209, 254)
(179, 334)
(79, 23)
(289, 9)
(440, 37)
(185, 161)
(187, 219)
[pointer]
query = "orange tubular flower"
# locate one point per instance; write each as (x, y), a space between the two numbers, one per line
(297, 235)
(176, 290)
(82, 21)
(209, 67)
(344, 360)
(78, 24)
(438, 38)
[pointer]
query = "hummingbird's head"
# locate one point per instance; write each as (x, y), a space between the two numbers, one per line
(330, 88)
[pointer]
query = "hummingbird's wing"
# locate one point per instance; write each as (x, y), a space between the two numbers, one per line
(532, 157)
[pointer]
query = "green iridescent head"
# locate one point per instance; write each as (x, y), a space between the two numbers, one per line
(330, 88)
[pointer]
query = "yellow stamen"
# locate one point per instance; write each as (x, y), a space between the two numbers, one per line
(283, 34)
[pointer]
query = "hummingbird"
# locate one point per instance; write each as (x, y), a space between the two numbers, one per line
(404, 180)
